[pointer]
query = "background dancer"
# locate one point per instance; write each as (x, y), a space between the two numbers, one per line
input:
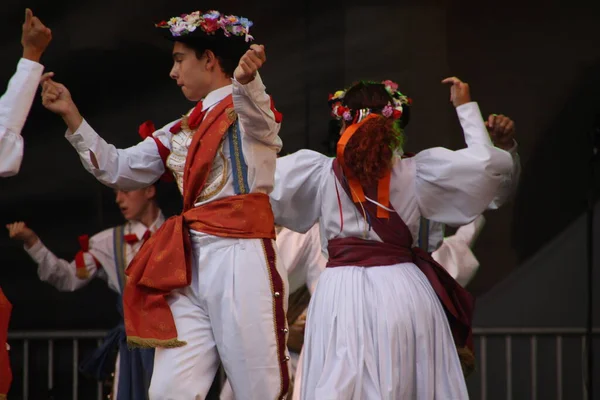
(359, 315)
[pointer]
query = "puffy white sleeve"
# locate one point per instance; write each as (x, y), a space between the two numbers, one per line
(454, 187)
(14, 108)
(509, 183)
(11, 153)
(256, 111)
(296, 196)
(127, 169)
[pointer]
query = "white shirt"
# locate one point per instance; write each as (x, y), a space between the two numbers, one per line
(61, 273)
(141, 165)
(452, 187)
(302, 257)
(14, 108)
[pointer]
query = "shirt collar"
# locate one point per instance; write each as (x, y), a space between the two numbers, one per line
(216, 96)
(139, 229)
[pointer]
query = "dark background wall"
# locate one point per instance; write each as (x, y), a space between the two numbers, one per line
(538, 63)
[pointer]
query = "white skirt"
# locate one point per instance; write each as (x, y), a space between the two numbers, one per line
(379, 333)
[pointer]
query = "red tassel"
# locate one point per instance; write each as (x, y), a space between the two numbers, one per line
(84, 242)
(80, 269)
(278, 115)
(146, 129)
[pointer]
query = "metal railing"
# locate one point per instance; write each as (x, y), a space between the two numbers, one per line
(27, 337)
(534, 335)
(487, 340)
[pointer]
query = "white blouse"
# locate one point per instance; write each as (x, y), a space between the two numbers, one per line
(452, 187)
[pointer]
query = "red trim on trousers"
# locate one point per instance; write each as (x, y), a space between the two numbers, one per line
(279, 314)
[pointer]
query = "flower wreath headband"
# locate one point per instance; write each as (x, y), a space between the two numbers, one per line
(393, 109)
(209, 23)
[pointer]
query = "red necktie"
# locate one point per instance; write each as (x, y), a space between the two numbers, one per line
(194, 119)
(133, 239)
(147, 235)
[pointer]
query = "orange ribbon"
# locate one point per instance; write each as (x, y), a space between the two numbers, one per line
(358, 194)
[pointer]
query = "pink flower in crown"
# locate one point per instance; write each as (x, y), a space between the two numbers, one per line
(387, 111)
(225, 25)
(347, 115)
(391, 85)
(237, 30)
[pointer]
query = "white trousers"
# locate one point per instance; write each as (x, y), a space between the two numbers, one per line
(233, 312)
(227, 391)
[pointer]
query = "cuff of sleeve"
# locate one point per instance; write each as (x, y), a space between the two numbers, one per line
(84, 138)
(467, 107)
(514, 148)
(251, 88)
(25, 64)
(470, 232)
(473, 125)
(37, 251)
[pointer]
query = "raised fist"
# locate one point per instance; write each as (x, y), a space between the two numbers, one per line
(459, 91)
(35, 37)
(501, 130)
(20, 231)
(250, 63)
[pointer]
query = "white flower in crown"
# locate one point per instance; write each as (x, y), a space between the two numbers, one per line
(181, 27)
(192, 18)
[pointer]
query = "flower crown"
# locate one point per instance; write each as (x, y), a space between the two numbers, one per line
(209, 22)
(392, 109)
